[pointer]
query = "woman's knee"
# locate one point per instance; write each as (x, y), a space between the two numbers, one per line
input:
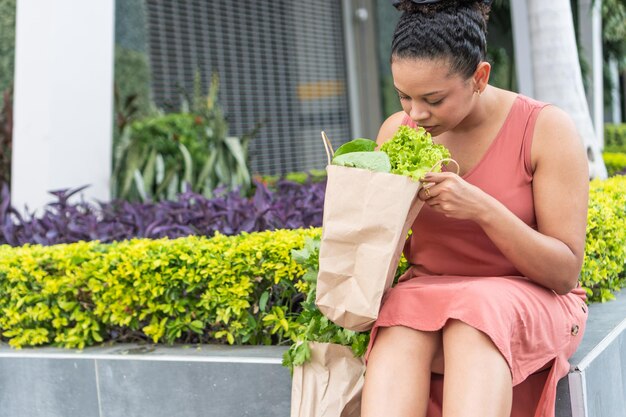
(406, 344)
(458, 330)
(462, 341)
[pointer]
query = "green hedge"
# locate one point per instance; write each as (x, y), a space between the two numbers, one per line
(244, 289)
(605, 251)
(234, 289)
(615, 137)
(615, 162)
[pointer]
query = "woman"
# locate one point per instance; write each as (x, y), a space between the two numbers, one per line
(484, 320)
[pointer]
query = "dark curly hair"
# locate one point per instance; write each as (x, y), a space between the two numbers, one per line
(453, 30)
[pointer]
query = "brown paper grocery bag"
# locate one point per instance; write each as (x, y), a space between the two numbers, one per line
(329, 385)
(367, 216)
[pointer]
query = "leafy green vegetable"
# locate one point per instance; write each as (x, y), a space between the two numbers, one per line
(356, 145)
(374, 161)
(316, 327)
(413, 153)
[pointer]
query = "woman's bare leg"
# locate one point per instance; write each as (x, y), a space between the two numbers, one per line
(397, 380)
(477, 381)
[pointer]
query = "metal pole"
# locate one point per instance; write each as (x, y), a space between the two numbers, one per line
(351, 68)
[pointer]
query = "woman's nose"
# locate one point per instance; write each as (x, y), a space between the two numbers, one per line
(418, 113)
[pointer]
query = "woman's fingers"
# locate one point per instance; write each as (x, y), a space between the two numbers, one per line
(426, 192)
(437, 177)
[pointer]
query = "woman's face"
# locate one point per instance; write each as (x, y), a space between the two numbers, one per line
(433, 98)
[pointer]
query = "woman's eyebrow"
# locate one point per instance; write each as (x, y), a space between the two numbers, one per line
(432, 93)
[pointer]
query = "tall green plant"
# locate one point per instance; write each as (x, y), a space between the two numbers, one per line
(157, 157)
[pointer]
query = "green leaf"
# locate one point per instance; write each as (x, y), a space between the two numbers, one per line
(310, 276)
(133, 163)
(172, 187)
(196, 326)
(207, 168)
(234, 145)
(139, 185)
(302, 355)
(96, 336)
(170, 177)
(263, 301)
(67, 305)
(356, 145)
(149, 170)
(160, 169)
(188, 165)
(374, 161)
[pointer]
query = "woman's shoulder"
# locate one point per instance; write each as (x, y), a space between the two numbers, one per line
(552, 121)
(390, 126)
(556, 137)
(549, 117)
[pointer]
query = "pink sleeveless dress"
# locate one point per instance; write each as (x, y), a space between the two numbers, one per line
(458, 273)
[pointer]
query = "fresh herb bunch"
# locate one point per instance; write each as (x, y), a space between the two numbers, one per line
(412, 152)
(316, 327)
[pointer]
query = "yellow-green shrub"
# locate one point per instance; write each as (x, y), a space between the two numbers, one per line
(44, 295)
(236, 289)
(605, 251)
(615, 162)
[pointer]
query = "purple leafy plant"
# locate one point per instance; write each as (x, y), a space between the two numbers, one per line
(288, 205)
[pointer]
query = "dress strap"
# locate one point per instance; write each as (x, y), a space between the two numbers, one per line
(529, 132)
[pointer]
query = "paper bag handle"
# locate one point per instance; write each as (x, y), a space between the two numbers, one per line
(458, 168)
(328, 146)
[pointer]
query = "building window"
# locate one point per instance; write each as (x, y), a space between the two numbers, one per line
(281, 63)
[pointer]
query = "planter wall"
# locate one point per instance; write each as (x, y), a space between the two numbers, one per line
(225, 381)
(136, 381)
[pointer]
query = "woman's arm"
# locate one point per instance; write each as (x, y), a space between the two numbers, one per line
(553, 254)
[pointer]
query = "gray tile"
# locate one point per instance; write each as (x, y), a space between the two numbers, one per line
(194, 351)
(603, 318)
(39, 387)
(193, 389)
(605, 383)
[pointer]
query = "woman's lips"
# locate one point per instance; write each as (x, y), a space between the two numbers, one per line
(429, 128)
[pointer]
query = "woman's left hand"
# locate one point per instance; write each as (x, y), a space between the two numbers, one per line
(452, 196)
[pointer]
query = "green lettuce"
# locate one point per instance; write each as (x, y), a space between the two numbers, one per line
(412, 152)
(356, 145)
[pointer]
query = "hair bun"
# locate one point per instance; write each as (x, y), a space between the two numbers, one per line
(411, 6)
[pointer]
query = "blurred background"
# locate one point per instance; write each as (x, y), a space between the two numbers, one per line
(162, 93)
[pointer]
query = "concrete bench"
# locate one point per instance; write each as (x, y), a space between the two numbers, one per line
(223, 381)
(596, 384)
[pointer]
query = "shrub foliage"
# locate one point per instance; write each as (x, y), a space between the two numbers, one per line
(239, 289)
(605, 252)
(615, 163)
